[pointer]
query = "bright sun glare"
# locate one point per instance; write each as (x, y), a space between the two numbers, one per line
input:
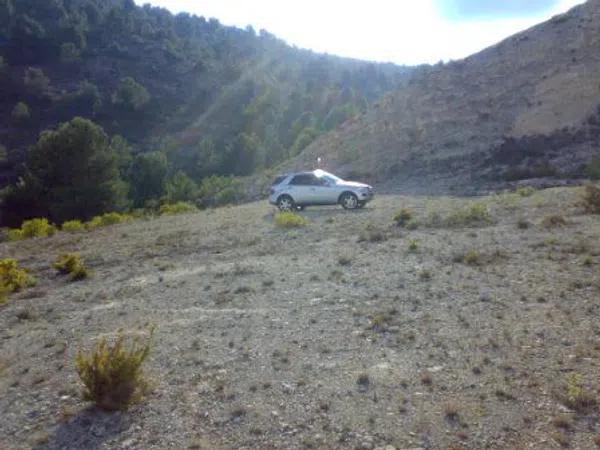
(378, 30)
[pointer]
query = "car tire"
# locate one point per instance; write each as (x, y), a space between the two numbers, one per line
(348, 200)
(285, 203)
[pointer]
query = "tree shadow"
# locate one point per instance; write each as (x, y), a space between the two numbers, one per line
(89, 429)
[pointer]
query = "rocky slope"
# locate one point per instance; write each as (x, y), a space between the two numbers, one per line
(525, 108)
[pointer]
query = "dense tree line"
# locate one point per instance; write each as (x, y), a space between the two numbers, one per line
(214, 100)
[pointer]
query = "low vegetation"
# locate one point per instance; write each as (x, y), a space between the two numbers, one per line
(372, 233)
(403, 217)
(13, 278)
(72, 265)
(591, 198)
(290, 220)
(477, 214)
(73, 226)
(177, 208)
(554, 221)
(112, 373)
(34, 228)
(576, 396)
(107, 219)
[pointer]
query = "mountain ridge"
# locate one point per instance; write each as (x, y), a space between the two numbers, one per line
(482, 119)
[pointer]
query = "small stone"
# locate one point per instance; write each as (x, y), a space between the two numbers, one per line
(485, 296)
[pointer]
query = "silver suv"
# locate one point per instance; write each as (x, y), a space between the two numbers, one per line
(297, 190)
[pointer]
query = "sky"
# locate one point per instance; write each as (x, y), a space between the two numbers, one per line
(400, 31)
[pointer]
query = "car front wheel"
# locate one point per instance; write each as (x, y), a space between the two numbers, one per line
(349, 201)
(285, 203)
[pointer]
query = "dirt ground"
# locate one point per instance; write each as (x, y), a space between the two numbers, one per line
(349, 333)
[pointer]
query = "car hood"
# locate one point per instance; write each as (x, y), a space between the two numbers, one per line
(352, 184)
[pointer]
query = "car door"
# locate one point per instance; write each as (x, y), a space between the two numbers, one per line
(324, 192)
(302, 189)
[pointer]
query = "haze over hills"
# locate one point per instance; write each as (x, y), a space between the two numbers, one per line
(525, 108)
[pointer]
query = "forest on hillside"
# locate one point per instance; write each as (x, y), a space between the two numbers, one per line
(207, 98)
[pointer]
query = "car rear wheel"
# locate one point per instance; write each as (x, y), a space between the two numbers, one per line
(349, 201)
(285, 203)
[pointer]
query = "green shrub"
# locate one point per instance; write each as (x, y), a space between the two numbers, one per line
(73, 226)
(36, 81)
(131, 95)
(219, 191)
(403, 216)
(15, 234)
(526, 191)
(290, 220)
(472, 258)
(412, 224)
(21, 113)
(32, 229)
(591, 198)
(112, 374)
(94, 223)
(176, 208)
(114, 218)
(13, 278)
(71, 264)
(473, 215)
(181, 188)
(576, 396)
(592, 170)
(413, 246)
(108, 219)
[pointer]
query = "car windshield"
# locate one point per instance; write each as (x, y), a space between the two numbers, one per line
(327, 176)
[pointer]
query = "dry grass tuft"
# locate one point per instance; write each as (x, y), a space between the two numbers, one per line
(591, 198)
(554, 221)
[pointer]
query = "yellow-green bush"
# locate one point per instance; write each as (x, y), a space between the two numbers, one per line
(15, 234)
(13, 278)
(71, 264)
(112, 374)
(107, 219)
(32, 228)
(171, 209)
(290, 220)
(73, 226)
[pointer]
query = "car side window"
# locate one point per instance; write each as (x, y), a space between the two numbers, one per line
(315, 180)
(301, 180)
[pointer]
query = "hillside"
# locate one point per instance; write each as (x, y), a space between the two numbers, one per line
(472, 335)
(528, 107)
(217, 99)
